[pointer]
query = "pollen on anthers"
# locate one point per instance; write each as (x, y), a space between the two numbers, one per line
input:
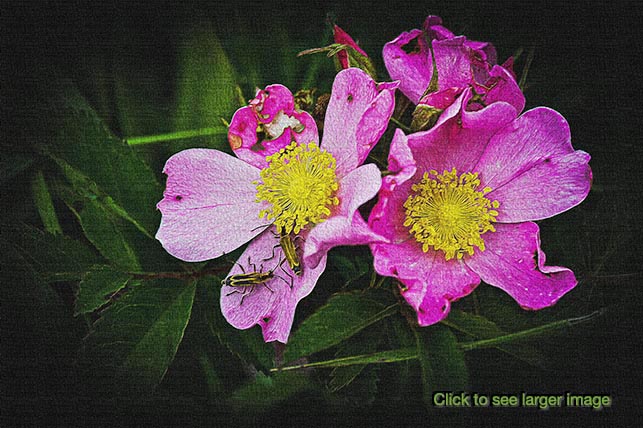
(447, 212)
(300, 184)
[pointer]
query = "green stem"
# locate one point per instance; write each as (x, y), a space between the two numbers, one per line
(179, 135)
(489, 343)
(392, 356)
(401, 125)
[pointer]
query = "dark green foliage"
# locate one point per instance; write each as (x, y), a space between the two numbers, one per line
(343, 316)
(97, 287)
(131, 346)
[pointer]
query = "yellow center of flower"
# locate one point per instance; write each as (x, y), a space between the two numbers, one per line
(447, 212)
(300, 184)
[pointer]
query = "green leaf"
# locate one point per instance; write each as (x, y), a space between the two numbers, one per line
(44, 204)
(441, 361)
(247, 345)
(206, 84)
(346, 264)
(101, 229)
(88, 153)
(54, 257)
(479, 327)
(266, 391)
(343, 316)
(365, 342)
(96, 287)
(132, 345)
(382, 357)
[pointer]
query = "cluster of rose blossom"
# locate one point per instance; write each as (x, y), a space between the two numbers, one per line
(456, 205)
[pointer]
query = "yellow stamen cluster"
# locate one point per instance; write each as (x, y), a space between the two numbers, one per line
(447, 212)
(300, 184)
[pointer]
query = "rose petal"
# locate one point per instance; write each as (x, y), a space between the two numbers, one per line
(208, 207)
(272, 305)
(356, 118)
(546, 189)
(346, 226)
(460, 140)
(272, 112)
(509, 263)
(272, 100)
(503, 87)
(453, 62)
(532, 169)
(408, 59)
(431, 282)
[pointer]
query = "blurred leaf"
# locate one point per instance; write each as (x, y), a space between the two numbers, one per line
(44, 204)
(97, 285)
(441, 360)
(248, 345)
(38, 340)
(12, 164)
(479, 327)
(266, 391)
(365, 342)
(55, 257)
(101, 229)
(132, 345)
(343, 316)
(87, 152)
(381, 357)
(206, 84)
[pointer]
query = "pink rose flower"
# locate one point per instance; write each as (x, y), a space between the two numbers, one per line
(461, 205)
(214, 202)
(460, 63)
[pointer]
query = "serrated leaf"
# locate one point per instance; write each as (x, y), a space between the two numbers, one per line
(479, 327)
(266, 391)
(343, 316)
(132, 345)
(54, 257)
(206, 84)
(83, 146)
(441, 361)
(101, 229)
(97, 285)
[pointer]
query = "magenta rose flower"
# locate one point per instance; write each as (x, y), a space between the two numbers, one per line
(460, 63)
(462, 200)
(281, 182)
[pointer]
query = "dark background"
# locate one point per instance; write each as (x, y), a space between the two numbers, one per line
(585, 66)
